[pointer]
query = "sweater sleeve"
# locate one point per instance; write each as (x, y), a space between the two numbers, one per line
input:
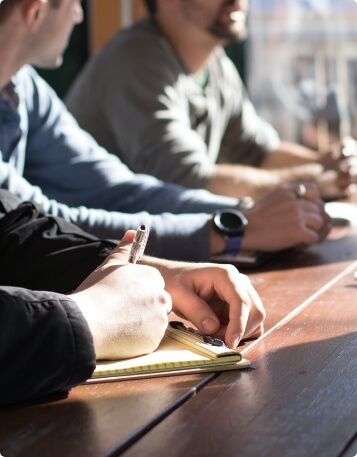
(63, 169)
(173, 236)
(45, 345)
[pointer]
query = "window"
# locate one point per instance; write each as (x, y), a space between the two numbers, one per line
(302, 67)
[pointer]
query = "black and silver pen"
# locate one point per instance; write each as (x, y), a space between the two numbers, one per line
(139, 244)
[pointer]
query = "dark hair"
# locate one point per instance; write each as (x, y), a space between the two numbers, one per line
(6, 6)
(151, 6)
(55, 3)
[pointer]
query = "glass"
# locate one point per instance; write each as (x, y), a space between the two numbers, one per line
(302, 68)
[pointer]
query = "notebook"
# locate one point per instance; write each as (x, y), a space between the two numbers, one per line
(182, 350)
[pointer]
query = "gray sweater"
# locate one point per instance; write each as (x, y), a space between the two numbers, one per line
(138, 100)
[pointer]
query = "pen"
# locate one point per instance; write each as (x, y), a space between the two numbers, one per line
(139, 243)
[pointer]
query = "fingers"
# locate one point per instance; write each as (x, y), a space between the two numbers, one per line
(315, 226)
(302, 190)
(316, 221)
(311, 219)
(307, 191)
(126, 308)
(342, 160)
(291, 215)
(314, 215)
(348, 148)
(345, 148)
(347, 173)
(121, 253)
(246, 314)
(259, 331)
(195, 309)
(118, 257)
(220, 302)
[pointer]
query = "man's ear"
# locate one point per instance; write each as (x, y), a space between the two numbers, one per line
(32, 11)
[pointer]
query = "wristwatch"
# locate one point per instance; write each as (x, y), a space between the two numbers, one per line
(231, 224)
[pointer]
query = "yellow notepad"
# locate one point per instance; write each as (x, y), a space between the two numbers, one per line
(182, 350)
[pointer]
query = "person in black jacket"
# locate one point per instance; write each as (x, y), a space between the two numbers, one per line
(68, 298)
(52, 327)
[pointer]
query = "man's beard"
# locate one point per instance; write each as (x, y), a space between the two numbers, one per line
(236, 30)
(228, 32)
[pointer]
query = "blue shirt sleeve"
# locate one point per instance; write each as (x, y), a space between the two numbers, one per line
(62, 168)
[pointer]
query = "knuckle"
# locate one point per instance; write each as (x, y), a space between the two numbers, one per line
(226, 271)
(230, 269)
(261, 313)
(166, 300)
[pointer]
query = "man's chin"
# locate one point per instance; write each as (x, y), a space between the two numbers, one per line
(236, 32)
(49, 64)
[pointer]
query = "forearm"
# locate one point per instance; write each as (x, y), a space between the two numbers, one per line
(289, 155)
(240, 181)
(176, 236)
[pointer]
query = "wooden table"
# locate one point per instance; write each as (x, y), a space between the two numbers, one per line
(299, 398)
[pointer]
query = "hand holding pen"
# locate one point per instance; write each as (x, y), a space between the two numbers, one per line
(121, 287)
(139, 244)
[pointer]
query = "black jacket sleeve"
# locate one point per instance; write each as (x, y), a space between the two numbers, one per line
(45, 345)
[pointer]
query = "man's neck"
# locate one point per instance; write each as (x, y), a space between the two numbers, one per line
(7, 70)
(10, 58)
(193, 46)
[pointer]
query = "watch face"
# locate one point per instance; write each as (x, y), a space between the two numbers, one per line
(230, 222)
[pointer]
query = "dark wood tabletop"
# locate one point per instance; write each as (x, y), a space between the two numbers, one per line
(298, 398)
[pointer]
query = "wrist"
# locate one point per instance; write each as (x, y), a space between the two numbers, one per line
(228, 227)
(233, 245)
(217, 241)
(224, 245)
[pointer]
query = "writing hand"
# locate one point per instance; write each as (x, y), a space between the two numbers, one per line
(125, 305)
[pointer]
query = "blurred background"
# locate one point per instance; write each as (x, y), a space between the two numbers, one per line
(302, 67)
(299, 62)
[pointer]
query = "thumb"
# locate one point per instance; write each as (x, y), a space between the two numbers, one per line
(118, 257)
(121, 253)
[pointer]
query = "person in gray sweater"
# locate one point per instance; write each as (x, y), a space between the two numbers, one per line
(46, 157)
(164, 97)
